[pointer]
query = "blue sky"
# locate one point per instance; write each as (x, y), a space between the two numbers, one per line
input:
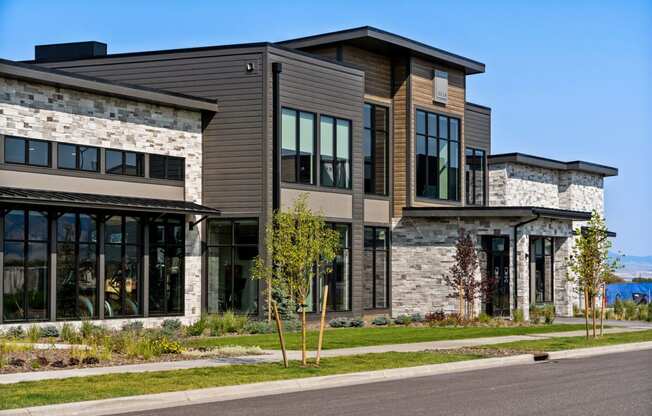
(567, 80)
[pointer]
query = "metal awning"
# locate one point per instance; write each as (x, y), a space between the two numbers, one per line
(496, 212)
(105, 202)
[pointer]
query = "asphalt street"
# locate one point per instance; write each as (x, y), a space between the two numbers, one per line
(614, 385)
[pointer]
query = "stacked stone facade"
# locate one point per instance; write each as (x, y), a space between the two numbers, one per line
(55, 114)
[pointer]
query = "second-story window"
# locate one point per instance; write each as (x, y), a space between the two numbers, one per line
(437, 154)
(77, 157)
(166, 167)
(475, 176)
(298, 144)
(335, 152)
(119, 162)
(27, 151)
(376, 172)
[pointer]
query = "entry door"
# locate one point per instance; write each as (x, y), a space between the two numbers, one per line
(497, 249)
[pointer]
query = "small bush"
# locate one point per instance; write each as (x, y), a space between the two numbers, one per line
(346, 322)
(259, 327)
(171, 326)
(165, 346)
(292, 325)
(484, 318)
(549, 314)
(619, 309)
(196, 328)
(90, 360)
(133, 326)
(435, 316)
(50, 331)
(381, 321)
(403, 320)
(609, 314)
(576, 311)
(535, 315)
(226, 323)
(88, 330)
(33, 333)
(417, 317)
(649, 311)
(517, 316)
(69, 334)
(630, 310)
(642, 312)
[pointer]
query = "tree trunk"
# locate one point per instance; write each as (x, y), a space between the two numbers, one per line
(304, 352)
(462, 313)
(593, 314)
(604, 306)
(586, 311)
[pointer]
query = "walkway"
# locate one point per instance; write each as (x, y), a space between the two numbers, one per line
(275, 356)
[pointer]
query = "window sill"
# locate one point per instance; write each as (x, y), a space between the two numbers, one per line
(436, 201)
(315, 188)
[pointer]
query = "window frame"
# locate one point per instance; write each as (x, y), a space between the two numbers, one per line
(140, 157)
(374, 249)
(78, 158)
(373, 130)
(297, 144)
(334, 161)
(438, 140)
(473, 181)
(166, 168)
(532, 262)
(332, 301)
(153, 245)
(26, 142)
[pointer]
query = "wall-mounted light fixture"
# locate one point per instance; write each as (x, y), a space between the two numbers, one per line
(250, 67)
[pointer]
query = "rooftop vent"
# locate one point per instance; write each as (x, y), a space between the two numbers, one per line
(69, 51)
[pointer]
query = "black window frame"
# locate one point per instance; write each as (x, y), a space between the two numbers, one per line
(438, 139)
(373, 130)
(374, 249)
(78, 157)
(26, 143)
(166, 169)
(297, 149)
(168, 227)
(140, 163)
(470, 176)
(532, 266)
(332, 300)
(334, 162)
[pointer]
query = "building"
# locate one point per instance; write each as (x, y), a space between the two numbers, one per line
(374, 127)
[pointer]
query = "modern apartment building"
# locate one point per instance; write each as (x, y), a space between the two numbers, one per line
(197, 147)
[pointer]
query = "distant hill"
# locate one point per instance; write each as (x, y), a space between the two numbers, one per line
(634, 266)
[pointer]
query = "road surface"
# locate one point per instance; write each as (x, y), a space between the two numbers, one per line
(613, 385)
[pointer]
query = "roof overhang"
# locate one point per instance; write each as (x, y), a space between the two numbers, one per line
(495, 212)
(379, 40)
(35, 73)
(546, 163)
(34, 197)
(610, 234)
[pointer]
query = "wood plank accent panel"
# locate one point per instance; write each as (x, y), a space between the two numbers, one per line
(400, 90)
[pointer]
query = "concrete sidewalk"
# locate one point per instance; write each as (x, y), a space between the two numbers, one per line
(275, 356)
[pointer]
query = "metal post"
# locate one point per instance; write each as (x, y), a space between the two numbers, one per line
(277, 68)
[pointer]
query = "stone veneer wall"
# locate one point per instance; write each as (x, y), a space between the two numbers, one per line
(64, 115)
(423, 250)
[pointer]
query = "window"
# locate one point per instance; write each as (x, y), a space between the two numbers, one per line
(119, 162)
(339, 279)
(297, 148)
(77, 252)
(437, 154)
(335, 152)
(376, 157)
(166, 167)
(375, 281)
(475, 177)
(541, 269)
(232, 247)
(166, 261)
(25, 266)
(73, 156)
(27, 151)
(122, 254)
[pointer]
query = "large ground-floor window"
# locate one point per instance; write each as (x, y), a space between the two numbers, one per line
(541, 269)
(375, 268)
(166, 261)
(232, 247)
(122, 254)
(25, 266)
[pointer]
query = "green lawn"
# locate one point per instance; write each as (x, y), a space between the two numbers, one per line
(120, 385)
(364, 337)
(569, 343)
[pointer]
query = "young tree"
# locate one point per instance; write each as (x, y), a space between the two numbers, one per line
(301, 247)
(590, 264)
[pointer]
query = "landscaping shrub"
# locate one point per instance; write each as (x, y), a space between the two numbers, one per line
(417, 317)
(88, 330)
(69, 334)
(642, 312)
(165, 346)
(50, 331)
(346, 322)
(619, 309)
(33, 333)
(259, 327)
(132, 326)
(517, 316)
(435, 316)
(381, 321)
(649, 311)
(549, 314)
(577, 312)
(535, 314)
(483, 318)
(196, 328)
(630, 310)
(171, 327)
(609, 314)
(292, 325)
(226, 323)
(403, 320)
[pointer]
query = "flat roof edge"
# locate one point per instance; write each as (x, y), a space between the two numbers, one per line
(547, 163)
(495, 212)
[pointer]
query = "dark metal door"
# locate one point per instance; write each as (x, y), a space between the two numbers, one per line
(497, 249)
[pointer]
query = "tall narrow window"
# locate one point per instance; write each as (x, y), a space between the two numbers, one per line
(77, 266)
(335, 152)
(73, 156)
(27, 151)
(475, 176)
(375, 281)
(376, 172)
(166, 261)
(541, 269)
(437, 156)
(232, 247)
(297, 146)
(339, 279)
(122, 253)
(25, 266)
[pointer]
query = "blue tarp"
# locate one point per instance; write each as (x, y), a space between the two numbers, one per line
(638, 292)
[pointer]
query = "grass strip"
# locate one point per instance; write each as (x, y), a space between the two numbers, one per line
(365, 337)
(571, 343)
(37, 393)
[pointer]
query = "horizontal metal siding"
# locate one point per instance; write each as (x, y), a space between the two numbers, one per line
(477, 126)
(233, 139)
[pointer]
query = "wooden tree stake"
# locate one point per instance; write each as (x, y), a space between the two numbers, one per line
(322, 324)
(279, 326)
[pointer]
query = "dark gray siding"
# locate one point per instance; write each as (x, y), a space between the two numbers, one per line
(477, 126)
(326, 88)
(233, 138)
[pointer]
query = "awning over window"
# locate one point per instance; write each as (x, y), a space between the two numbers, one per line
(105, 202)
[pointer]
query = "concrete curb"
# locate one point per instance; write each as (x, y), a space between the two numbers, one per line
(590, 352)
(218, 394)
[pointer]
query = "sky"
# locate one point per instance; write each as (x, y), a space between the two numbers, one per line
(565, 80)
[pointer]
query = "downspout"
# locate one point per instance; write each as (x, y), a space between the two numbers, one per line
(277, 68)
(520, 224)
